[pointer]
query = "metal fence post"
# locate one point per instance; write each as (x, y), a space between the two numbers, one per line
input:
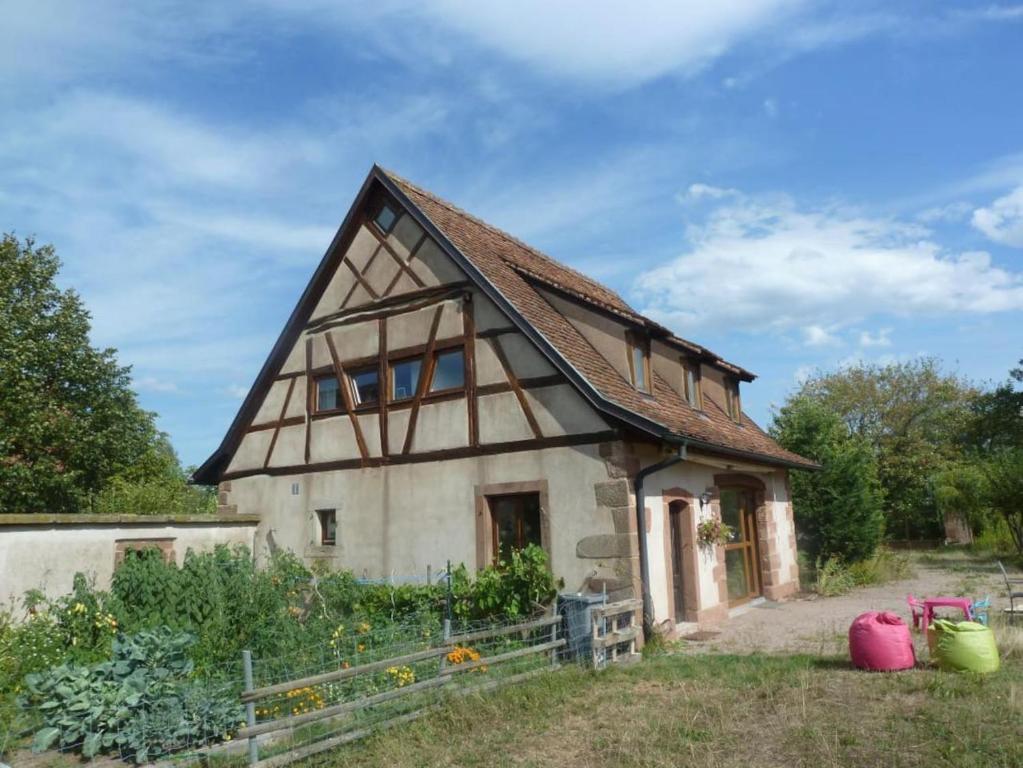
(250, 707)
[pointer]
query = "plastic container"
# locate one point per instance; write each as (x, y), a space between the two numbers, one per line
(880, 642)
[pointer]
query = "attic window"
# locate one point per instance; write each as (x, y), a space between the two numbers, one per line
(405, 378)
(732, 403)
(448, 371)
(365, 386)
(328, 394)
(691, 385)
(386, 218)
(639, 361)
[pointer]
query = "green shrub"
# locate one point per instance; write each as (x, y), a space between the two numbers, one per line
(516, 586)
(838, 509)
(140, 704)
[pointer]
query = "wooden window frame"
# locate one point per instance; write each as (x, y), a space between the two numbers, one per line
(484, 520)
(391, 399)
(322, 516)
(378, 208)
(733, 403)
(317, 378)
(430, 391)
(694, 399)
(637, 341)
(350, 374)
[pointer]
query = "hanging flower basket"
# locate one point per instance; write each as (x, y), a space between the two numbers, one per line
(712, 532)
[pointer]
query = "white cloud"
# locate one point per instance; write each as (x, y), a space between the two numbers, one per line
(1002, 221)
(609, 42)
(707, 192)
(951, 212)
(883, 338)
(816, 336)
(766, 264)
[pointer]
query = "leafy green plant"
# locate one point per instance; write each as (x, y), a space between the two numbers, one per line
(517, 585)
(140, 704)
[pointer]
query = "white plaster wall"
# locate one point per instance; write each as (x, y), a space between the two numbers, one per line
(47, 557)
(397, 519)
(694, 478)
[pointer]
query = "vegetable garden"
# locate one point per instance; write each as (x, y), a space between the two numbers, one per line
(154, 665)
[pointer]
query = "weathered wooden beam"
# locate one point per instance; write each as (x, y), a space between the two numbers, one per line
(346, 396)
(469, 333)
(425, 375)
(523, 403)
(280, 421)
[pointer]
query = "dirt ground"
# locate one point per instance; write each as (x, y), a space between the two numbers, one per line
(808, 623)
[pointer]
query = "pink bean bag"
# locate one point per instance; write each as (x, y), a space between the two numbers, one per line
(881, 642)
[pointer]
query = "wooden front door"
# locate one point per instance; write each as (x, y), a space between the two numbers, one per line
(742, 552)
(675, 523)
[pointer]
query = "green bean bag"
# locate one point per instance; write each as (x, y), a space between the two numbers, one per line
(963, 646)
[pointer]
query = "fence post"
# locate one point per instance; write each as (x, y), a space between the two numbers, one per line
(554, 634)
(250, 707)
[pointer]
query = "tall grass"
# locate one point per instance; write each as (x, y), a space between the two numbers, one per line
(835, 577)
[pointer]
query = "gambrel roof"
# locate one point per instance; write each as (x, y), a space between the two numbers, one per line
(513, 274)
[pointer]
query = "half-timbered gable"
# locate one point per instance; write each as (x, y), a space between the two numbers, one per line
(443, 391)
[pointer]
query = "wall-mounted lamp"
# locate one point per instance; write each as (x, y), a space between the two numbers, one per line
(705, 498)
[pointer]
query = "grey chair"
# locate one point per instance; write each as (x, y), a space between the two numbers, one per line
(1012, 611)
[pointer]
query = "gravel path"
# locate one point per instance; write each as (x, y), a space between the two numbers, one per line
(819, 625)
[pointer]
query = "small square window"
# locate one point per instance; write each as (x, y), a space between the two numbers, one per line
(365, 386)
(448, 371)
(328, 394)
(405, 378)
(386, 218)
(328, 526)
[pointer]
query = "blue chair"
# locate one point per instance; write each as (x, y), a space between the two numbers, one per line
(979, 610)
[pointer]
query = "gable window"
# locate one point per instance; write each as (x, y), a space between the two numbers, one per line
(448, 371)
(732, 404)
(516, 521)
(386, 218)
(691, 384)
(405, 378)
(328, 526)
(639, 361)
(328, 394)
(365, 386)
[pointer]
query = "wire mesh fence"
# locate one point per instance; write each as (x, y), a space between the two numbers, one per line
(314, 698)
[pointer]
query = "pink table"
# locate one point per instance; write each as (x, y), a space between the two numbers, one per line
(930, 603)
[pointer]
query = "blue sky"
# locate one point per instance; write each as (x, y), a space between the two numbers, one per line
(796, 185)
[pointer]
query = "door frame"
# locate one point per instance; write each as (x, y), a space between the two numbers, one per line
(756, 519)
(687, 506)
(748, 545)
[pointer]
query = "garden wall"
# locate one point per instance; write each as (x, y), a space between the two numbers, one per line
(44, 551)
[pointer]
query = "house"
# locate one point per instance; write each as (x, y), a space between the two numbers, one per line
(443, 391)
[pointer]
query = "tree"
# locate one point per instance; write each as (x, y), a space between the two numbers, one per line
(911, 415)
(1005, 490)
(837, 509)
(996, 417)
(69, 420)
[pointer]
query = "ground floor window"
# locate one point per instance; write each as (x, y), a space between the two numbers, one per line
(328, 526)
(516, 522)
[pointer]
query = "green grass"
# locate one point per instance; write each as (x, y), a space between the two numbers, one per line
(720, 711)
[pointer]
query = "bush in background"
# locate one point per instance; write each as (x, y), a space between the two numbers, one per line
(838, 509)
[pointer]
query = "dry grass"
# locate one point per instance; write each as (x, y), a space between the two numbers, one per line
(723, 711)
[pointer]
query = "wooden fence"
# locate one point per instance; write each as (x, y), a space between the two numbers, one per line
(615, 632)
(534, 637)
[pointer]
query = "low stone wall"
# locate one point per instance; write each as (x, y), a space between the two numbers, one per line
(44, 551)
